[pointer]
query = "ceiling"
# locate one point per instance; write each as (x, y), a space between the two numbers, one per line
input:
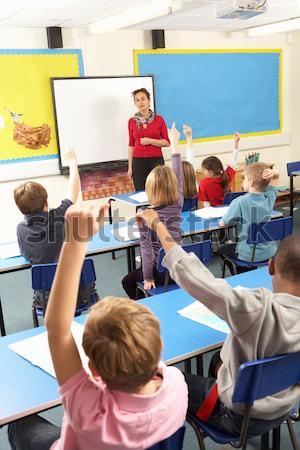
(194, 14)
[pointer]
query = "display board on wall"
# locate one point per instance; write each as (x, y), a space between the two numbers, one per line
(216, 92)
(92, 116)
(27, 130)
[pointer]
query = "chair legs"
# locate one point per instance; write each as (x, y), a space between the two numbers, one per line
(292, 434)
(34, 316)
(199, 434)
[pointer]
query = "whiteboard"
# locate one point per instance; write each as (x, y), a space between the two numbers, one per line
(92, 116)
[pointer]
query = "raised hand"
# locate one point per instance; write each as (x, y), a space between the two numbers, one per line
(236, 139)
(82, 221)
(149, 217)
(174, 136)
(70, 156)
(187, 132)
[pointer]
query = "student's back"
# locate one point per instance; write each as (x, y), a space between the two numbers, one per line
(98, 418)
(41, 234)
(247, 209)
(254, 207)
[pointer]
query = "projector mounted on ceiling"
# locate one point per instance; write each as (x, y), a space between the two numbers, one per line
(240, 9)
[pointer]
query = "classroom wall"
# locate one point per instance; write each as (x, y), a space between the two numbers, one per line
(111, 54)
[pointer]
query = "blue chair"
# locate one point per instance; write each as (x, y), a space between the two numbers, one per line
(293, 167)
(229, 196)
(190, 204)
(174, 442)
(42, 276)
(201, 249)
(255, 380)
(259, 233)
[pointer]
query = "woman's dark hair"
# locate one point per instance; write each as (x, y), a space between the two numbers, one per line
(213, 164)
(144, 90)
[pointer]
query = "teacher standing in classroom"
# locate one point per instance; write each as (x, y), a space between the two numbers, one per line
(147, 135)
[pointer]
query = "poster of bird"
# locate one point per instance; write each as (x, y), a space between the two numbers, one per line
(27, 123)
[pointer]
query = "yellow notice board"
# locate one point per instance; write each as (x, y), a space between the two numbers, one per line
(27, 124)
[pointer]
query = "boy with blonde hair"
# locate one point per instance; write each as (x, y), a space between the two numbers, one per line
(41, 234)
(254, 207)
(131, 400)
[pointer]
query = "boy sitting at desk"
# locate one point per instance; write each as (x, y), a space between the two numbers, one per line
(254, 207)
(262, 324)
(41, 234)
(130, 400)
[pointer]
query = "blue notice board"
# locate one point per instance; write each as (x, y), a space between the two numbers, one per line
(216, 92)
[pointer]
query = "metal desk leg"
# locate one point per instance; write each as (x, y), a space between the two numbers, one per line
(187, 366)
(291, 195)
(276, 439)
(129, 264)
(2, 325)
(199, 365)
(113, 253)
(264, 441)
(133, 262)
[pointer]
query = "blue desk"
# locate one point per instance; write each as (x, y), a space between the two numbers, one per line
(26, 389)
(125, 198)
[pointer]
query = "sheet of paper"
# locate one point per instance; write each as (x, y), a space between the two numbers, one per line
(9, 249)
(36, 349)
(126, 233)
(211, 212)
(140, 197)
(199, 313)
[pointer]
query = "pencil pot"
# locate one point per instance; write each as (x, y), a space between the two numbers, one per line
(252, 159)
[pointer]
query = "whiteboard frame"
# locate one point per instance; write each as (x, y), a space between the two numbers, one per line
(108, 165)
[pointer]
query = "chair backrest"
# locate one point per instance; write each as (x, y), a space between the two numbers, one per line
(201, 249)
(265, 377)
(174, 442)
(292, 167)
(274, 230)
(229, 196)
(42, 275)
(190, 204)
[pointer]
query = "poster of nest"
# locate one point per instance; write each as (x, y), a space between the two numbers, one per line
(27, 124)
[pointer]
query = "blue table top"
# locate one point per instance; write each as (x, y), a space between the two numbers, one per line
(106, 240)
(295, 173)
(126, 198)
(26, 389)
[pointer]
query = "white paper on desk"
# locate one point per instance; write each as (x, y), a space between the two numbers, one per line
(199, 313)
(211, 212)
(140, 197)
(126, 233)
(9, 250)
(36, 349)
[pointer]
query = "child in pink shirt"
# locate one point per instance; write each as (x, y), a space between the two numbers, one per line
(130, 400)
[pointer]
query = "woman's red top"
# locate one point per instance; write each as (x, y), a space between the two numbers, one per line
(154, 130)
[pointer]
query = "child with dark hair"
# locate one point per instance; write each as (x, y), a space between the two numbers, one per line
(262, 324)
(217, 180)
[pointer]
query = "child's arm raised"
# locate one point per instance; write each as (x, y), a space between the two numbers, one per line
(187, 131)
(81, 223)
(74, 180)
(235, 152)
(174, 135)
(232, 305)
(272, 175)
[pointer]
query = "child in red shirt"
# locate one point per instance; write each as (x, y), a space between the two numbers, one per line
(217, 181)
